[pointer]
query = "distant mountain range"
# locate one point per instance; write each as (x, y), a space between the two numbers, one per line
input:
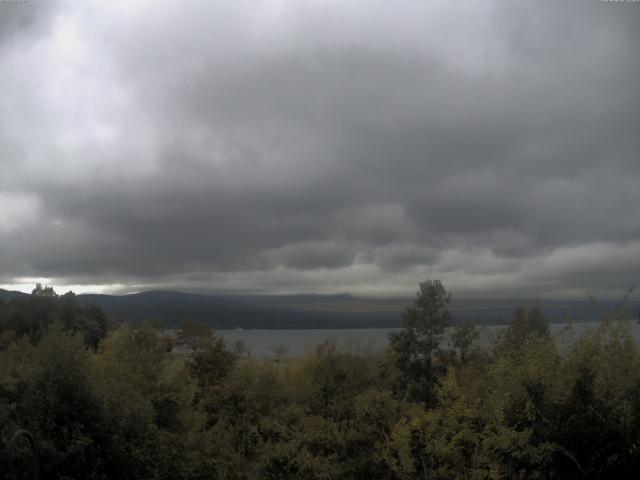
(171, 308)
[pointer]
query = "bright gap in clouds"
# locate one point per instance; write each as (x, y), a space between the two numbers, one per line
(26, 285)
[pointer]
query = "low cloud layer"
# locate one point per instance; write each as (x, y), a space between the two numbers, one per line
(307, 146)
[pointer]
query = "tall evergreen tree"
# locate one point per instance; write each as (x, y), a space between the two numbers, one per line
(415, 345)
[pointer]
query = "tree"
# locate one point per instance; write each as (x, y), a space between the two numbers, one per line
(86, 319)
(43, 291)
(280, 351)
(46, 388)
(32, 316)
(415, 345)
(523, 325)
(212, 362)
(462, 339)
(194, 335)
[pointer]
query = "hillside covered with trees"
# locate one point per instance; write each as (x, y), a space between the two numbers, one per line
(123, 404)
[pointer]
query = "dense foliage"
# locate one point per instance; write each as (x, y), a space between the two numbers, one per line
(127, 405)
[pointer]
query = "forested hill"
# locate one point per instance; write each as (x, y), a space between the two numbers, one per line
(314, 311)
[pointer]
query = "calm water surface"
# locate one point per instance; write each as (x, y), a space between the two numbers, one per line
(264, 343)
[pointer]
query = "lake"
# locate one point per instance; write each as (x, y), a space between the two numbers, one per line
(262, 343)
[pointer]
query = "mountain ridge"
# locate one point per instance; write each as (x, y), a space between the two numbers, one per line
(222, 311)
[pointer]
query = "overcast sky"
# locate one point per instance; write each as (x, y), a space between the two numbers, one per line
(321, 146)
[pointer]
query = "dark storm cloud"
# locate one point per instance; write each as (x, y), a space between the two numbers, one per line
(342, 146)
(25, 20)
